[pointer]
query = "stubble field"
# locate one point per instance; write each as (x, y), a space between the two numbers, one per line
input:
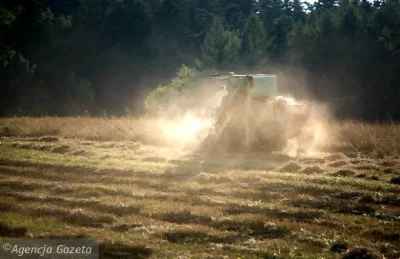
(141, 195)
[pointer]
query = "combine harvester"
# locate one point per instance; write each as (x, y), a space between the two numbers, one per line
(253, 116)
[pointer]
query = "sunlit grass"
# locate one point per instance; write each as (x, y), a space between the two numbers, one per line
(350, 137)
(157, 200)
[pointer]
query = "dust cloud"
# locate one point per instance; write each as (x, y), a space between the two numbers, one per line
(188, 128)
(314, 135)
(186, 131)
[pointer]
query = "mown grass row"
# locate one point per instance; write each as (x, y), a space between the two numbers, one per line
(199, 205)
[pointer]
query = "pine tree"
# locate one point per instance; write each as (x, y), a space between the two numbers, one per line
(270, 10)
(254, 41)
(281, 28)
(234, 16)
(220, 47)
(326, 4)
(246, 6)
(213, 6)
(350, 22)
(286, 7)
(298, 13)
(174, 19)
(366, 5)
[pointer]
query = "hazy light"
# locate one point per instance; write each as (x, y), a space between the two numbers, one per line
(184, 131)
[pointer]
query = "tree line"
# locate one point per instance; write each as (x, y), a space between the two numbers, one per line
(75, 57)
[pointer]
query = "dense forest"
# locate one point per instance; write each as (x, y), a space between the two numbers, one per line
(76, 57)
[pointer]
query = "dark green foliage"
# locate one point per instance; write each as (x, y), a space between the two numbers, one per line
(347, 53)
(220, 47)
(234, 16)
(270, 10)
(322, 5)
(254, 42)
(298, 13)
(78, 93)
(175, 97)
(281, 27)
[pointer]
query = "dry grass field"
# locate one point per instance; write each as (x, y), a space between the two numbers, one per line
(129, 185)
